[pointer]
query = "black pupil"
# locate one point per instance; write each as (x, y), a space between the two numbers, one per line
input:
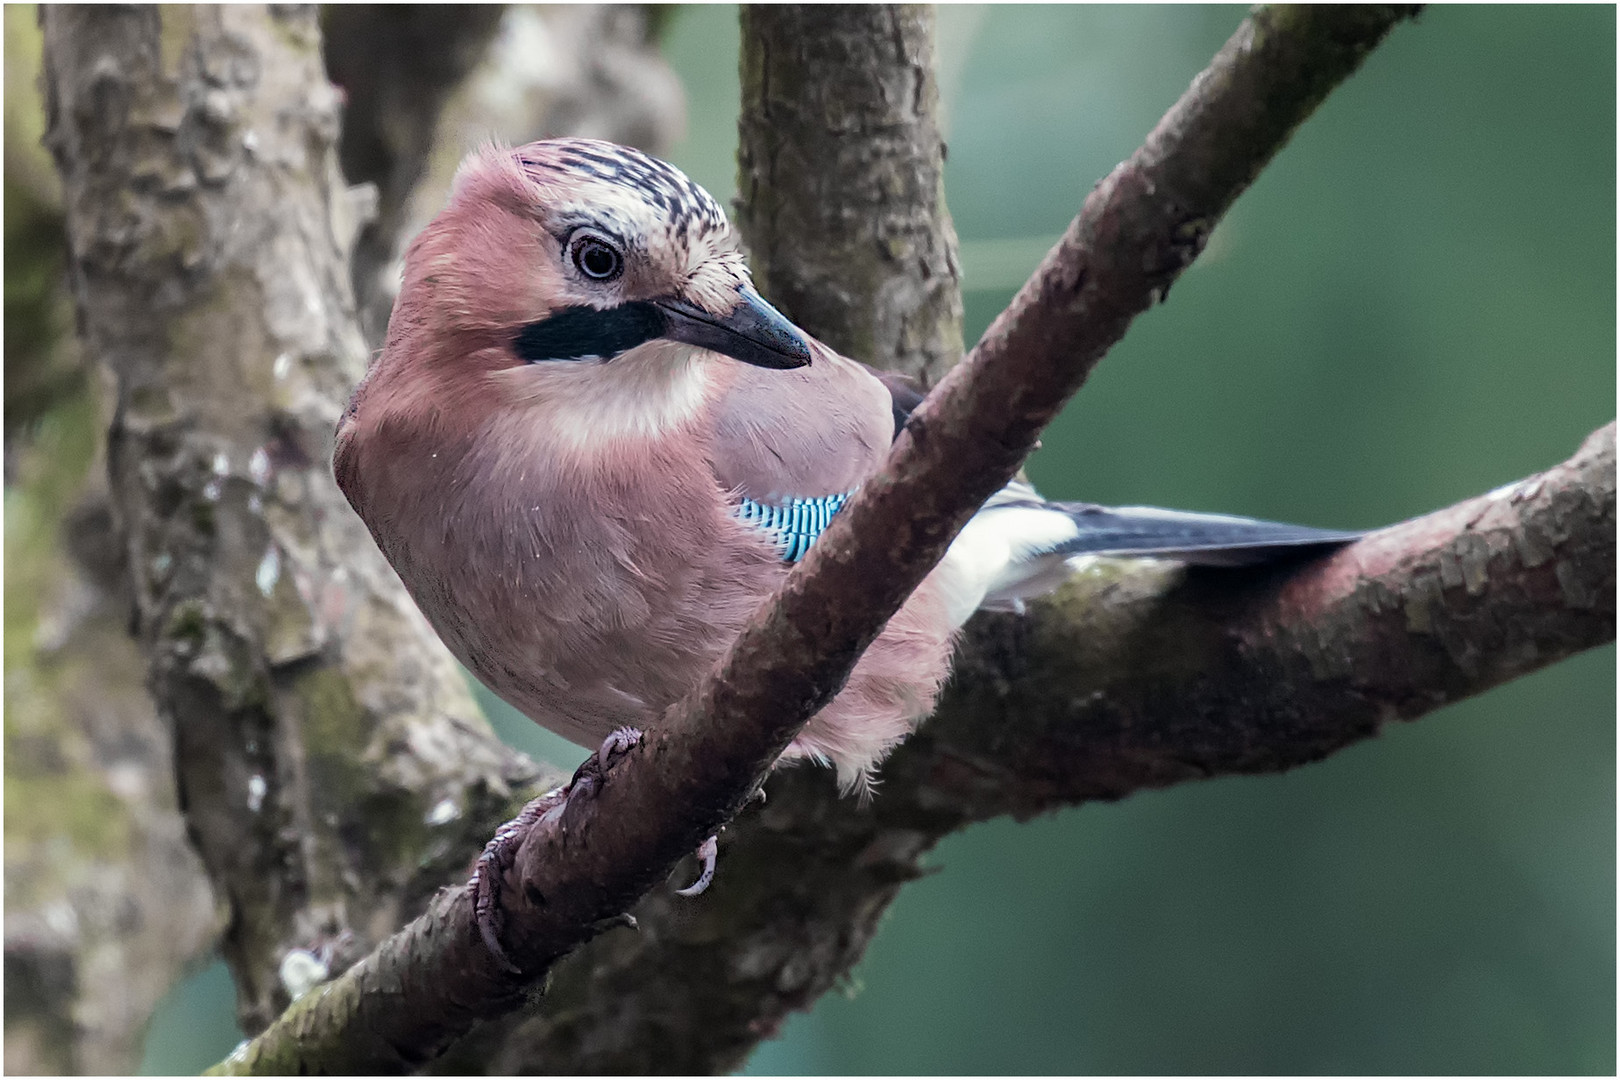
(598, 260)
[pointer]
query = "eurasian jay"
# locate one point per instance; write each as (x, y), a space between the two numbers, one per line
(591, 450)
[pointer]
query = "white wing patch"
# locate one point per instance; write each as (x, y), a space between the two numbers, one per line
(1019, 546)
(995, 561)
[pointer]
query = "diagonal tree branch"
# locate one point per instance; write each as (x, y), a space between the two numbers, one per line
(584, 864)
(807, 879)
(839, 113)
(1137, 674)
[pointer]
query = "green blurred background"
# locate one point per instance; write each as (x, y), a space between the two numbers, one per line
(1414, 304)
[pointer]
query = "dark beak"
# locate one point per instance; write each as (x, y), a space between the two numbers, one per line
(753, 331)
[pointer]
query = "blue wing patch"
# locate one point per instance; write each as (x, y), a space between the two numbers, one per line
(795, 524)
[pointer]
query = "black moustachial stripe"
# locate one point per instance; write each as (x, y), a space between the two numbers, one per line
(587, 333)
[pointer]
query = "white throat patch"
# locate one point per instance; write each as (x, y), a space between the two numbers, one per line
(652, 390)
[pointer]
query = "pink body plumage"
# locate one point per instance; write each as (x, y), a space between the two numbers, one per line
(569, 527)
(590, 450)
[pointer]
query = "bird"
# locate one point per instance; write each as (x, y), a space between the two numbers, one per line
(591, 449)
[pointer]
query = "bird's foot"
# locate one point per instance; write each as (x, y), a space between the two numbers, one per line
(618, 743)
(500, 853)
(594, 769)
(706, 852)
(497, 858)
(709, 851)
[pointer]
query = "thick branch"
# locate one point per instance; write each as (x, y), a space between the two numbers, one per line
(106, 903)
(1181, 675)
(1138, 674)
(694, 772)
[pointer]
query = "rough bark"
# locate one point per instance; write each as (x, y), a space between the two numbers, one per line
(1151, 673)
(841, 191)
(1466, 598)
(40, 372)
(99, 930)
(331, 765)
(581, 864)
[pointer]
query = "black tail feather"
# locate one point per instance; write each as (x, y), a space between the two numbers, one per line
(1204, 539)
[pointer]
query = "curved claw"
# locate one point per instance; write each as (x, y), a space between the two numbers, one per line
(707, 852)
(497, 858)
(486, 896)
(488, 916)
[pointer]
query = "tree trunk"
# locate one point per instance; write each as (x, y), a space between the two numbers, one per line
(331, 765)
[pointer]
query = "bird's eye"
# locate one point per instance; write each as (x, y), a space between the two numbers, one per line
(597, 259)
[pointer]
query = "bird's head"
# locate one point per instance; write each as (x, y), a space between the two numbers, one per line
(579, 252)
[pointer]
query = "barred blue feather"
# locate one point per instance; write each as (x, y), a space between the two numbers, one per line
(793, 525)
